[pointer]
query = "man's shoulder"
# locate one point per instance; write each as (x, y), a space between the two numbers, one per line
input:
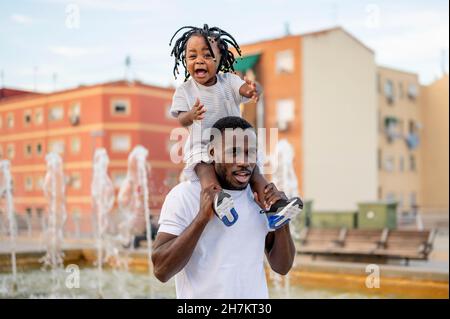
(182, 189)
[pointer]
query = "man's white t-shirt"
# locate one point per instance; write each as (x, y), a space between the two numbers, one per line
(227, 262)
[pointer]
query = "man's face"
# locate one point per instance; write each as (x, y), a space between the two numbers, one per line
(235, 158)
(199, 62)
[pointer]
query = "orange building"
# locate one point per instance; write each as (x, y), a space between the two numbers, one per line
(116, 115)
(319, 91)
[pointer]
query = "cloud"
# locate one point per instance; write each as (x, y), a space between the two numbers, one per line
(21, 19)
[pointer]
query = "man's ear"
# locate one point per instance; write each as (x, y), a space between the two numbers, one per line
(210, 152)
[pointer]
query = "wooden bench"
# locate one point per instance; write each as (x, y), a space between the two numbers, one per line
(407, 244)
(402, 244)
(318, 241)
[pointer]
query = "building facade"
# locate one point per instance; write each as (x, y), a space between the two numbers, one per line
(319, 91)
(116, 116)
(399, 139)
(435, 147)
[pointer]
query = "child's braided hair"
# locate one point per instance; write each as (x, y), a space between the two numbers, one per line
(223, 39)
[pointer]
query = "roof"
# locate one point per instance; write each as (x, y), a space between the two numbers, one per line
(315, 33)
(9, 92)
(396, 70)
(84, 87)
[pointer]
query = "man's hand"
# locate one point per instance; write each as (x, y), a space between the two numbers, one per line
(271, 196)
(206, 201)
(282, 217)
(198, 111)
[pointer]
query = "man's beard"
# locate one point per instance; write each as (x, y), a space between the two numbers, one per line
(224, 182)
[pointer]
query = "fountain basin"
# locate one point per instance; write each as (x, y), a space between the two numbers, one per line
(306, 280)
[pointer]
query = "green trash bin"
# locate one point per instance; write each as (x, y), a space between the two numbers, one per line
(333, 219)
(377, 215)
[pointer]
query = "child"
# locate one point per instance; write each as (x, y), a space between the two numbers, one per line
(204, 53)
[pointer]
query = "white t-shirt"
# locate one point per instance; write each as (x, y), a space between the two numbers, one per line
(220, 100)
(227, 262)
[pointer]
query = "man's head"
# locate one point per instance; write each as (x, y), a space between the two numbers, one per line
(233, 148)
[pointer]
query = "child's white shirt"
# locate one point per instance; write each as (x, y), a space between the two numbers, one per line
(220, 100)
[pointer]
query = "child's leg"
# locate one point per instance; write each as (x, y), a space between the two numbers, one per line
(206, 174)
(258, 184)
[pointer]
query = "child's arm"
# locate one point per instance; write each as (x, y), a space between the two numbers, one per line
(248, 89)
(195, 113)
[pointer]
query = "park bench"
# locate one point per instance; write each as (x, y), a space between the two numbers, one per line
(400, 244)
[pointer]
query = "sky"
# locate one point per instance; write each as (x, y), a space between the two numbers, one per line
(48, 45)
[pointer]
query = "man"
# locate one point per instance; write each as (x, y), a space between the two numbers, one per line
(208, 259)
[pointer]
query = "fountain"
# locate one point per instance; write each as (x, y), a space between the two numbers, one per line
(54, 191)
(102, 191)
(285, 179)
(6, 193)
(134, 200)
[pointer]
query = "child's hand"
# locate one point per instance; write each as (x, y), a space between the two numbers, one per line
(198, 111)
(251, 90)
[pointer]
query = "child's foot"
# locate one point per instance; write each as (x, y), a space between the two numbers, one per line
(282, 211)
(224, 208)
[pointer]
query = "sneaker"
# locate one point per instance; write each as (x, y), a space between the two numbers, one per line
(224, 208)
(283, 211)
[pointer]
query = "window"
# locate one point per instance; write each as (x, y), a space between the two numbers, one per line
(413, 199)
(38, 117)
(56, 113)
(39, 148)
(412, 91)
(285, 113)
(40, 182)
(10, 151)
(75, 145)
(412, 163)
(120, 107)
(27, 117)
(284, 62)
(120, 143)
(389, 164)
(28, 150)
(389, 91)
(412, 127)
(75, 180)
(10, 120)
(74, 113)
(28, 183)
(56, 146)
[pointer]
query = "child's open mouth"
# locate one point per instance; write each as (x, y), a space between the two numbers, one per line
(200, 73)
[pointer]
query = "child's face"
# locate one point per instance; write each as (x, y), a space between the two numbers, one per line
(199, 61)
